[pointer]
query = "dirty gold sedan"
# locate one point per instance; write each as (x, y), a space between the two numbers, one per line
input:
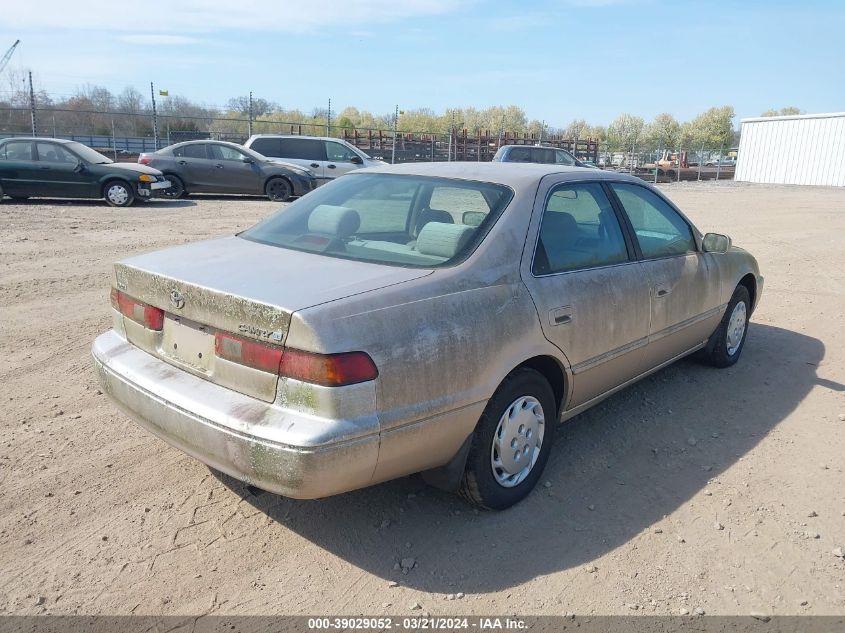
(434, 318)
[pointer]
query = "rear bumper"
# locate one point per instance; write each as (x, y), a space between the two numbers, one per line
(272, 447)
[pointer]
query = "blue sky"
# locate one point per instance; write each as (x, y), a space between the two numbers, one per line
(557, 59)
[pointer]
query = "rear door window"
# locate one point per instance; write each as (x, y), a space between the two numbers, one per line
(16, 150)
(302, 148)
(520, 155)
(266, 146)
(191, 151)
(579, 230)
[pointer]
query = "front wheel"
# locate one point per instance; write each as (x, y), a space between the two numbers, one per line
(511, 443)
(726, 343)
(278, 190)
(118, 193)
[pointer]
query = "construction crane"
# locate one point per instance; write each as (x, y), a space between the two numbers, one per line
(8, 55)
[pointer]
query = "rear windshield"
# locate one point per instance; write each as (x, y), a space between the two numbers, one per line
(388, 219)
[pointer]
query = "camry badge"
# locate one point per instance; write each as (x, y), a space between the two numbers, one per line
(177, 299)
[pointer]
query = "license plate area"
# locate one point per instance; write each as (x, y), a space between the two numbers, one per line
(188, 343)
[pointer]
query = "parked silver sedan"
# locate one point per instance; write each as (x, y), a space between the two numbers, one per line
(435, 318)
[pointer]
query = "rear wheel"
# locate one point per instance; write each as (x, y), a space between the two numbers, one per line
(726, 343)
(511, 443)
(118, 193)
(278, 190)
(176, 189)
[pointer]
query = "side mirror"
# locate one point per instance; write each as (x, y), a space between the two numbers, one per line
(248, 160)
(80, 166)
(357, 160)
(716, 243)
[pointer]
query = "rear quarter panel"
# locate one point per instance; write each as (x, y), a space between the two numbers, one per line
(442, 344)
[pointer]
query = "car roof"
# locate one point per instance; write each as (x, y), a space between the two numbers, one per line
(38, 138)
(514, 175)
(197, 141)
(316, 138)
(535, 145)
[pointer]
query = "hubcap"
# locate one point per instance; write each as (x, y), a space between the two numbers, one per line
(517, 441)
(736, 327)
(278, 190)
(118, 194)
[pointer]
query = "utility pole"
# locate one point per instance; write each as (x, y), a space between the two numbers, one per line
(155, 118)
(329, 119)
(501, 131)
(451, 131)
(395, 123)
(249, 127)
(32, 106)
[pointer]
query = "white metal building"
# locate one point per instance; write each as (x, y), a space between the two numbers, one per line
(804, 149)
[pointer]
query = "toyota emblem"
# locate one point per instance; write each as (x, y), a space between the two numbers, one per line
(177, 299)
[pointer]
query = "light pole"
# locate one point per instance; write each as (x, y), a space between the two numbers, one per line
(395, 125)
(155, 118)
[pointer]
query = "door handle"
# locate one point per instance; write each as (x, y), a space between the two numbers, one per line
(219, 166)
(330, 166)
(663, 292)
(561, 316)
(183, 162)
(315, 165)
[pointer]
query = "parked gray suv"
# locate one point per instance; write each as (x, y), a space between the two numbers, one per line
(220, 167)
(536, 154)
(326, 156)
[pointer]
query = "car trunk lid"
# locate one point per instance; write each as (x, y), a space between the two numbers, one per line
(239, 287)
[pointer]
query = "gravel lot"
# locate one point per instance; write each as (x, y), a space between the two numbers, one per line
(696, 489)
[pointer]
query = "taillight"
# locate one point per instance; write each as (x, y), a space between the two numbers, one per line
(145, 159)
(149, 316)
(249, 353)
(329, 370)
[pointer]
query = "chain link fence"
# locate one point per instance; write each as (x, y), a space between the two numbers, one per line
(124, 135)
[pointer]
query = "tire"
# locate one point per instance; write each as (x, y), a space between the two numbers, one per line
(176, 189)
(118, 193)
(726, 343)
(278, 190)
(510, 420)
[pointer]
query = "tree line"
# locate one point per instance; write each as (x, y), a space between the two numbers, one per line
(96, 110)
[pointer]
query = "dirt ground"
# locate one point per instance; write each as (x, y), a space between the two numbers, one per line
(718, 490)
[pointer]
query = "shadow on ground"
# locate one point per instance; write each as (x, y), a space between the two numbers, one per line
(156, 203)
(633, 458)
